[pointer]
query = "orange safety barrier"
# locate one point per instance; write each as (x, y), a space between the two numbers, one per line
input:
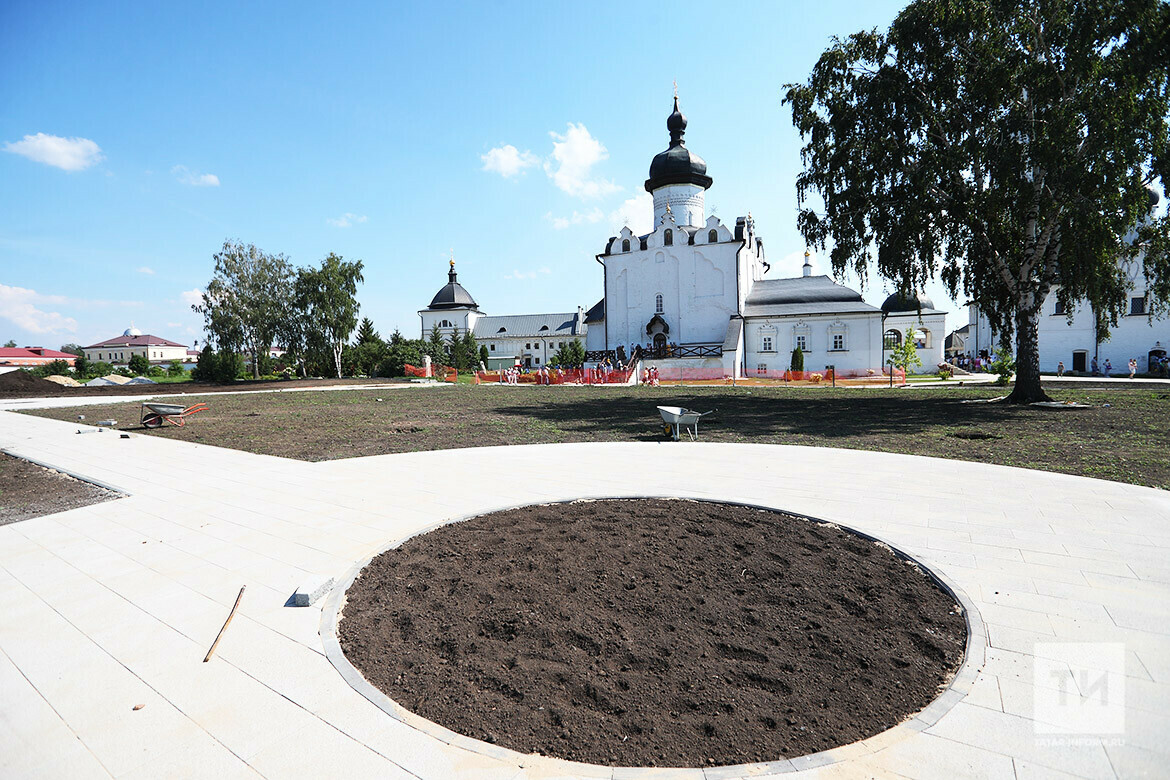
(557, 376)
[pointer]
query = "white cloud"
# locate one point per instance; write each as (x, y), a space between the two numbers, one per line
(191, 297)
(146, 270)
(346, 220)
(577, 218)
(637, 213)
(508, 161)
(68, 154)
(517, 274)
(174, 324)
(19, 306)
(187, 176)
(574, 155)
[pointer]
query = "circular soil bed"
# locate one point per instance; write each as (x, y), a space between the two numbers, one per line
(653, 632)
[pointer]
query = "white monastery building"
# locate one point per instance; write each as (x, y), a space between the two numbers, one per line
(1075, 340)
(528, 339)
(692, 292)
(692, 295)
(132, 342)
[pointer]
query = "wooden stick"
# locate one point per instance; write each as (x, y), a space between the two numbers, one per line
(219, 636)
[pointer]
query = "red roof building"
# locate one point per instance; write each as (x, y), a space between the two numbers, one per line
(32, 356)
(120, 349)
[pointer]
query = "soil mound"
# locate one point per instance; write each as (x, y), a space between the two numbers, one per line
(23, 383)
(650, 632)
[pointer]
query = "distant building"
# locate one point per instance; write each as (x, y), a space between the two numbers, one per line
(13, 357)
(134, 342)
(916, 315)
(528, 339)
(957, 342)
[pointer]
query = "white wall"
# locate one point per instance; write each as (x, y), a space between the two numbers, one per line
(862, 341)
(935, 326)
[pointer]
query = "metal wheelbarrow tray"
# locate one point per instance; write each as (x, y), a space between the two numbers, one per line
(677, 417)
(154, 414)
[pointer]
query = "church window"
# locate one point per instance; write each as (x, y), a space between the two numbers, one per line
(767, 344)
(527, 346)
(668, 238)
(922, 339)
(893, 338)
(493, 347)
(838, 341)
(1137, 305)
(1058, 308)
(658, 304)
(537, 361)
(625, 245)
(802, 342)
(712, 236)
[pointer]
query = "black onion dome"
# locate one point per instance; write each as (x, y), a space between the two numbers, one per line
(896, 303)
(452, 295)
(677, 165)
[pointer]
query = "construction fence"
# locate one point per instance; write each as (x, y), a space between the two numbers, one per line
(557, 376)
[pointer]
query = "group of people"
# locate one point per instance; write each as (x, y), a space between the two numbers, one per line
(1106, 371)
(974, 363)
(650, 376)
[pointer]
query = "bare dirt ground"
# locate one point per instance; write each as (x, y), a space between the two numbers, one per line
(31, 387)
(1124, 437)
(27, 490)
(650, 632)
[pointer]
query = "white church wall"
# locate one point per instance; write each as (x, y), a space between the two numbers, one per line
(862, 347)
(933, 326)
(686, 203)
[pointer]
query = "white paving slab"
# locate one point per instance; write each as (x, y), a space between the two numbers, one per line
(113, 605)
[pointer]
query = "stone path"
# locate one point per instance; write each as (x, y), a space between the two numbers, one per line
(114, 605)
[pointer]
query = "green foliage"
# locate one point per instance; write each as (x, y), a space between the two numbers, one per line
(175, 369)
(366, 333)
(399, 354)
(436, 347)
(52, 368)
(572, 355)
(10, 343)
(944, 374)
(367, 356)
(1004, 365)
(483, 355)
(905, 355)
(797, 363)
(100, 368)
(138, 364)
(81, 367)
(328, 295)
(1003, 145)
(204, 370)
(221, 367)
(73, 349)
(157, 371)
(246, 300)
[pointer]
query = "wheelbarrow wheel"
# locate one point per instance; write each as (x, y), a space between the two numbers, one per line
(152, 421)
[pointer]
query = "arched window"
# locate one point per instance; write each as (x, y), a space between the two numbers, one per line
(658, 303)
(893, 338)
(922, 338)
(625, 245)
(668, 238)
(712, 236)
(502, 330)
(544, 327)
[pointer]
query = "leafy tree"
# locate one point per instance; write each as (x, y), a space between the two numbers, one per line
(572, 355)
(1004, 365)
(329, 296)
(905, 355)
(1005, 145)
(10, 343)
(81, 366)
(175, 368)
(73, 349)
(205, 365)
(436, 347)
(483, 354)
(246, 300)
(100, 368)
(229, 367)
(797, 363)
(366, 333)
(157, 371)
(398, 354)
(367, 356)
(52, 368)
(138, 364)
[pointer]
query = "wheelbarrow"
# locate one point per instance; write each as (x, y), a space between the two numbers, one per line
(675, 417)
(155, 414)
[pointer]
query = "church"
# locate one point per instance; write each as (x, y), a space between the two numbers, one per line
(693, 295)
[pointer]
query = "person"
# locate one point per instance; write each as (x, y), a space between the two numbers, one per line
(1096, 370)
(1132, 367)
(1060, 368)
(1108, 368)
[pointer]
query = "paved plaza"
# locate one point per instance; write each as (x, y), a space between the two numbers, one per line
(114, 605)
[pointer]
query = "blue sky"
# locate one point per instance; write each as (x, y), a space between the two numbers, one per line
(136, 138)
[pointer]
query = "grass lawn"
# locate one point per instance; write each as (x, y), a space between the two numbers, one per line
(1126, 441)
